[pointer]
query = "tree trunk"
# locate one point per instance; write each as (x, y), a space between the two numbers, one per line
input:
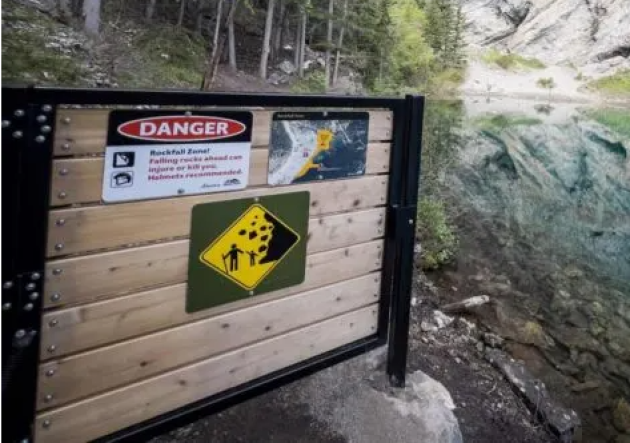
(92, 14)
(213, 61)
(302, 43)
(217, 28)
(150, 10)
(329, 42)
(277, 35)
(64, 9)
(232, 42)
(340, 43)
(182, 12)
(297, 45)
(266, 43)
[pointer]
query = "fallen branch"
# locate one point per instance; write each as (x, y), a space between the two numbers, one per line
(466, 304)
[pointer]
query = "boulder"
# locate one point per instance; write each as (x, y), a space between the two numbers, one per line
(621, 415)
(287, 67)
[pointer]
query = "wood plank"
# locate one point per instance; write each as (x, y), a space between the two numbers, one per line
(98, 416)
(99, 227)
(84, 131)
(79, 180)
(112, 366)
(87, 326)
(100, 276)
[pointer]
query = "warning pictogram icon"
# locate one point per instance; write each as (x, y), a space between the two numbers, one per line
(251, 247)
(246, 247)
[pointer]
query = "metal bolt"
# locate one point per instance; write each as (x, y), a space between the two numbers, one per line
(181, 191)
(63, 171)
(28, 307)
(320, 177)
(32, 333)
(17, 134)
(46, 108)
(19, 113)
(35, 276)
(52, 349)
(50, 373)
(66, 120)
(6, 306)
(57, 271)
(65, 147)
(46, 424)
(33, 296)
(251, 292)
(7, 285)
(411, 221)
(62, 195)
(41, 118)
(61, 222)
(256, 199)
(20, 333)
(48, 398)
(6, 123)
(45, 129)
(54, 322)
(40, 139)
(188, 113)
(58, 246)
(55, 297)
(30, 286)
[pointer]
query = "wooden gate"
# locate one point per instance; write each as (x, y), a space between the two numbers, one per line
(97, 340)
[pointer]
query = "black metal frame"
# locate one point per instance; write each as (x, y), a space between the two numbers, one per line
(26, 169)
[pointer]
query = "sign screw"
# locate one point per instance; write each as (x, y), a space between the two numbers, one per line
(17, 134)
(57, 271)
(251, 292)
(20, 333)
(46, 129)
(40, 139)
(34, 296)
(63, 171)
(52, 349)
(256, 199)
(30, 286)
(411, 221)
(46, 108)
(28, 307)
(62, 195)
(54, 322)
(50, 373)
(19, 113)
(35, 276)
(7, 285)
(67, 120)
(41, 118)
(65, 147)
(55, 297)
(46, 424)
(59, 246)
(181, 191)
(48, 398)
(6, 306)
(61, 222)
(6, 123)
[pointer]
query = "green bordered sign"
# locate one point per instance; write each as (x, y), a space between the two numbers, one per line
(242, 248)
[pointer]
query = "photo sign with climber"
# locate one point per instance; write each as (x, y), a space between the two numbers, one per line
(313, 146)
(242, 248)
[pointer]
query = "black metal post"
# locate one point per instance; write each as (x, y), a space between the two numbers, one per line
(405, 228)
(31, 137)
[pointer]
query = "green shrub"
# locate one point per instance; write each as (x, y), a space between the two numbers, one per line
(547, 83)
(618, 83)
(436, 235)
(313, 82)
(503, 121)
(617, 120)
(511, 61)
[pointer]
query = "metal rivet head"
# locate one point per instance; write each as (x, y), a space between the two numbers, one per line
(61, 222)
(51, 349)
(48, 398)
(28, 307)
(63, 171)
(33, 296)
(20, 333)
(6, 306)
(54, 322)
(46, 108)
(57, 271)
(32, 333)
(46, 423)
(17, 134)
(62, 195)
(411, 221)
(66, 120)
(7, 285)
(55, 297)
(40, 139)
(41, 118)
(256, 199)
(50, 373)
(30, 286)
(181, 191)
(251, 292)
(59, 247)
(19, 113)
(6, 123)
(65, 147)
(45, 129)
(188, 113)
(35, 276)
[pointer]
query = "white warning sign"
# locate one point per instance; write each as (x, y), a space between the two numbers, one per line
(164, 154)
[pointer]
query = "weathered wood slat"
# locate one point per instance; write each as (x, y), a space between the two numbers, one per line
(97, 416)
(80, 180)
(99, 276)
(112, 366)
(84, 131)
(97, 324)
(99, 227)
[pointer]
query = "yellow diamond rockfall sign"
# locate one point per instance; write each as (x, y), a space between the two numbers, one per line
(251, 247)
